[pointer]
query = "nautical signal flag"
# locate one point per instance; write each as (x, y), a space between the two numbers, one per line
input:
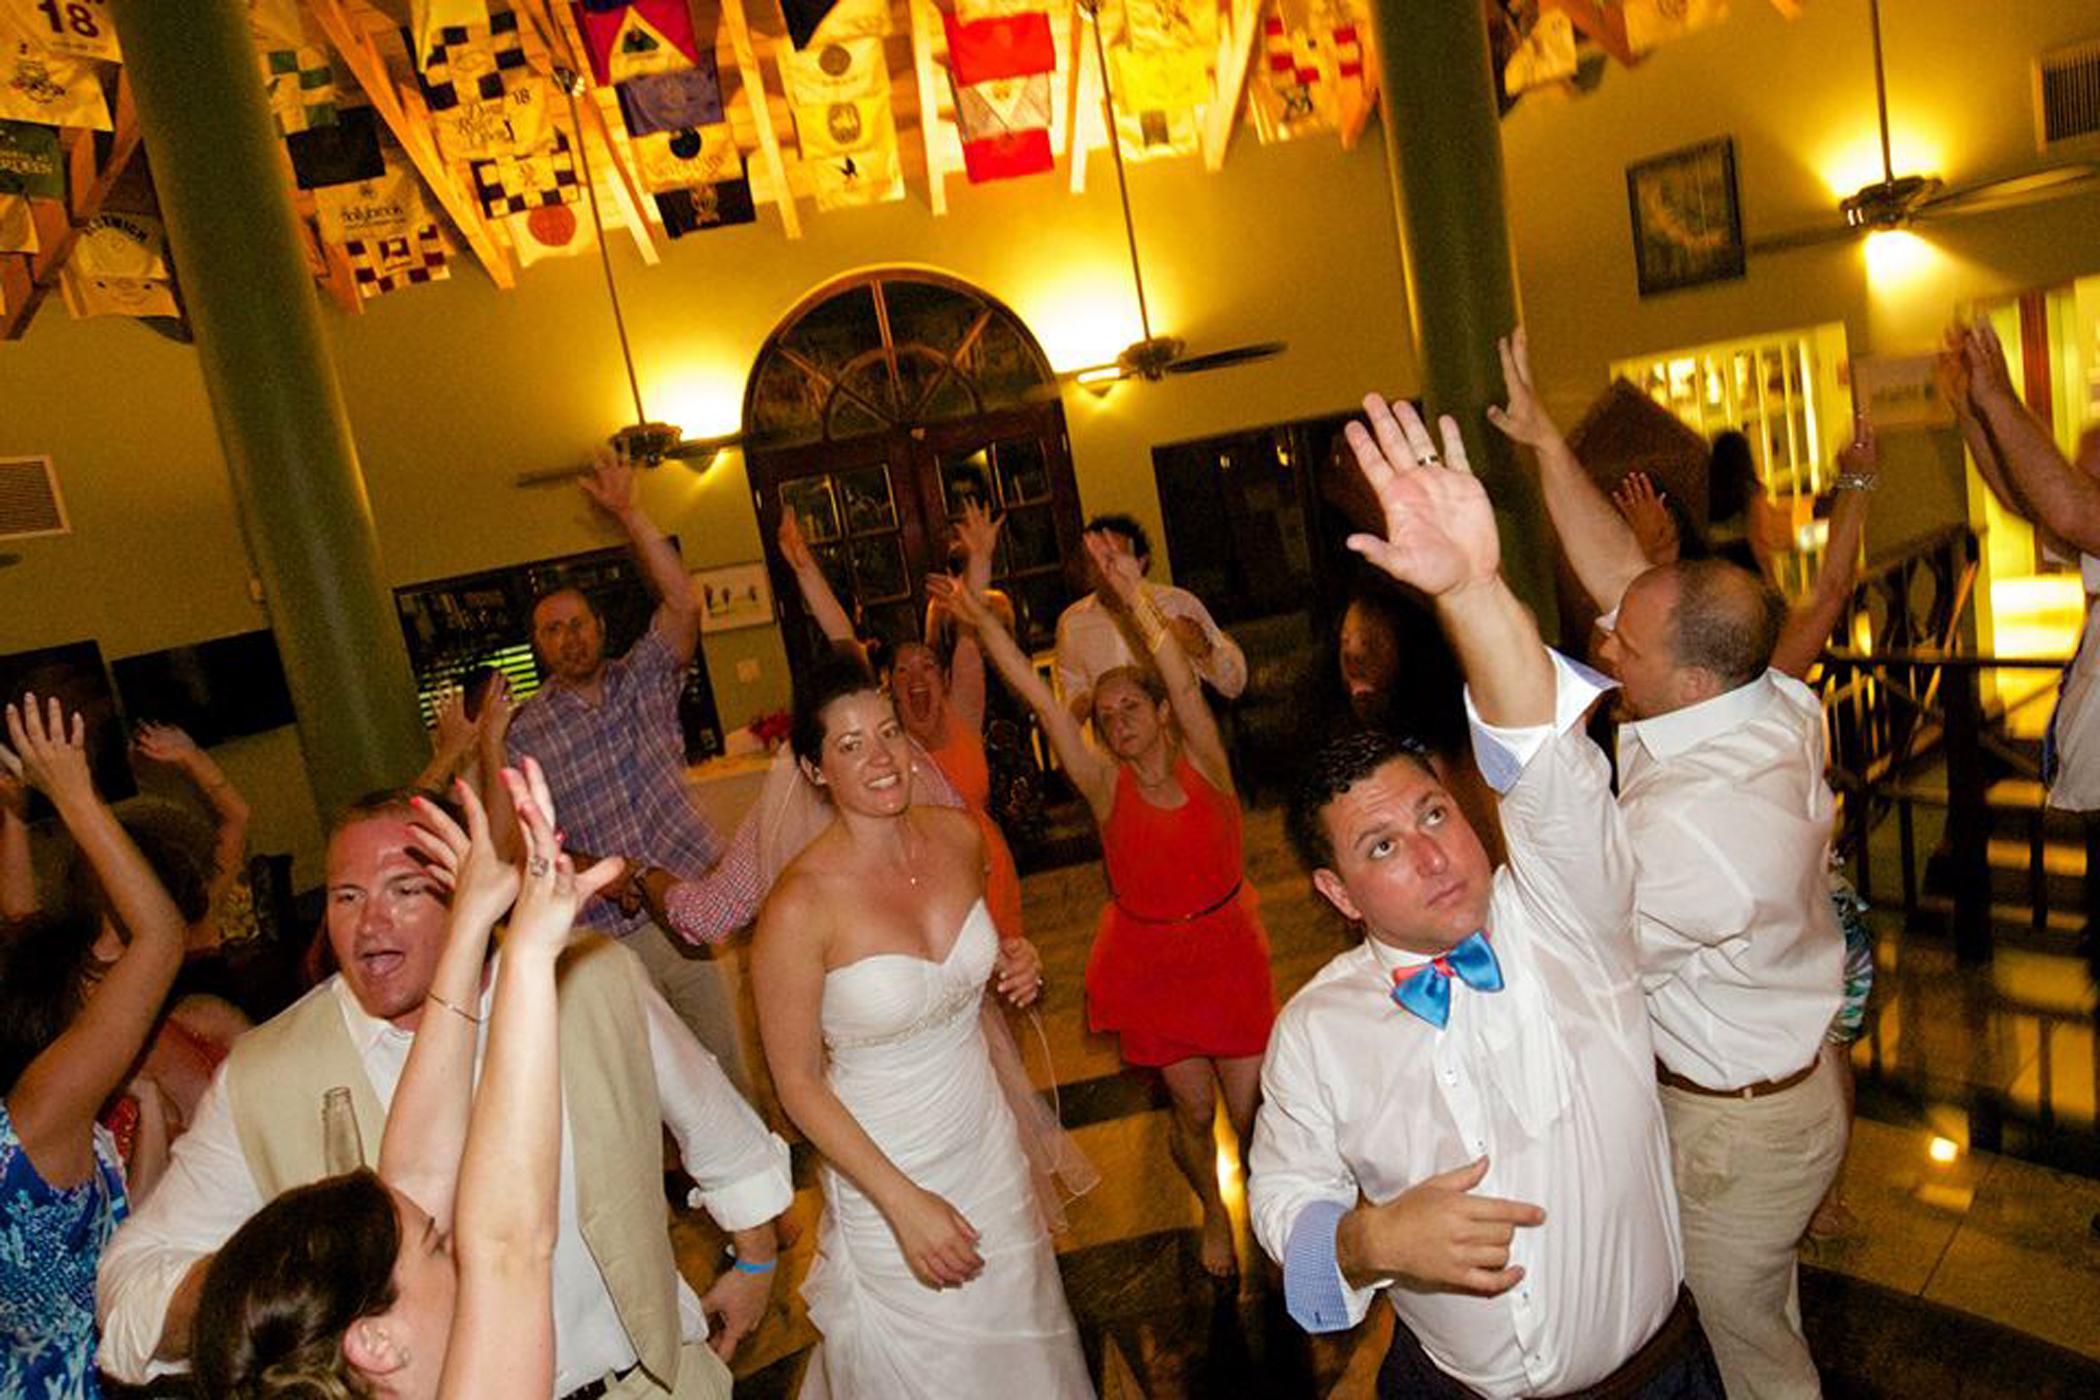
(631, 38)
(1001, 68)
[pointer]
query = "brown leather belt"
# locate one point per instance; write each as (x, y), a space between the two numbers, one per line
(591, 1390)
(1665, 1075)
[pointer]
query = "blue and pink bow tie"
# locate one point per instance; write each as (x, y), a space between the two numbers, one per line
(1426, 989)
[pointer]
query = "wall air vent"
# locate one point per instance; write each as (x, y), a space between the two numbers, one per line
(2067, 98)
(29, 501)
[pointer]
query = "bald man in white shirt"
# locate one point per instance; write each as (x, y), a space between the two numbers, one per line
(1461, 1111)
(1721, 783)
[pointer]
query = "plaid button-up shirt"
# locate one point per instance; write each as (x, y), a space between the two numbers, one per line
(617, 770)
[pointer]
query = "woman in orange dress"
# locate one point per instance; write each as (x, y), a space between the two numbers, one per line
(1180, 969)
(942, 709)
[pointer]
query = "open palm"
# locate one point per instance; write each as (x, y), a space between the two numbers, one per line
(1439, 526)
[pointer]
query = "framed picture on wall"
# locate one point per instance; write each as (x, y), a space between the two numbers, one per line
(1687, 222)
(736, 595)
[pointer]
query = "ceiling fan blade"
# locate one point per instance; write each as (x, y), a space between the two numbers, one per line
(1108, 372)
(1802, 238)
(2015, 191)
(1225, 359)
(550, 476)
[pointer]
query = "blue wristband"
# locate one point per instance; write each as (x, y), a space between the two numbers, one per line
(745, 1266)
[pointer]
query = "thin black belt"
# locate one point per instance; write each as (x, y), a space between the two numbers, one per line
(591, 1390)
(1211, 908)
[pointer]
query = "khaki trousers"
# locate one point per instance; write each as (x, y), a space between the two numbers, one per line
(701, 1376)
(1750, 1173)
(703, 991)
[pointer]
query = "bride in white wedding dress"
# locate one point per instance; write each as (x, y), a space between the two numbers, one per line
(935, 1275)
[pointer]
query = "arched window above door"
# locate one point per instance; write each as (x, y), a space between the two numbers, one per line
(887, 350)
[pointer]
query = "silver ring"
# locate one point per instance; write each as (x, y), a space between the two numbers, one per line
(1426, 460)
(538, 865)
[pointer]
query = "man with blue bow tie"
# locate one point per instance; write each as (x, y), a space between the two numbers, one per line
(1460, 1112)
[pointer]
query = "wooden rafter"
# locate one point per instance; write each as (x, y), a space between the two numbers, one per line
(1235, 52)
(922, 37)
(1082, 103)
(556, 23)
(1605, 25)
(1359, 101)
(761, 114)
(27, 280)
(405, 115)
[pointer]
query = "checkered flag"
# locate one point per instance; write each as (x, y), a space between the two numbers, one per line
(382, 265)
(484, 97)
(301, 87)
(513, 184)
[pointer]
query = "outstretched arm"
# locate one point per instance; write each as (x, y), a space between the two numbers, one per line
(1093, 775)
(502, 1338)
(427, 1126)
(611, 487)
(1440, 538)
(17, 875)
(823, 604)
(1199, 728)
(165, 743)
(2063, 499)
(1601, 546)
(1809, 626)
(979, 533)
(54, 1101)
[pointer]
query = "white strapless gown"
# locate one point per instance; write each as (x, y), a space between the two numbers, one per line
(908, 1060)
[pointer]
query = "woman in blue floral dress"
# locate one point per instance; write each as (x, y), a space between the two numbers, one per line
(62, 1054)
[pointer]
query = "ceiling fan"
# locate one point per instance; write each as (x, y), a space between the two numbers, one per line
(645, 441)
(1897, 201)
(1154, 356)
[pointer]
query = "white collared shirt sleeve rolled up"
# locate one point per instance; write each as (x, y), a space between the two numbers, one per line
(740, 1170)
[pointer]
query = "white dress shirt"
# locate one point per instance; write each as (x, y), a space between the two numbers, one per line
(1552, 1079)
(1089, 643)
(1730, 818)
(207, 1193)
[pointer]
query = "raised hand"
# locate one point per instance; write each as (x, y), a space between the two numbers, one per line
(1117, 566)
(1861, 457)
(1642, 505)
(552, 889)
(453, 731)
(50, 755)
(164, 743)
(1989, 376)
(1950, 370)
(938, 1242)
(793, 548)
(1523, 418)
(498, 706)
(978, 530)
(1439, 527)
(1019, 972)
(1439, 1233)
(611, 482)
(481, 883)
(957, 599)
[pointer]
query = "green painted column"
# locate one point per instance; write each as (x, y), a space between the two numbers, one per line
(1443, 145)
(281, 419)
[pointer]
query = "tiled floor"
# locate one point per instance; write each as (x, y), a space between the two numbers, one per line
(1978, 1275)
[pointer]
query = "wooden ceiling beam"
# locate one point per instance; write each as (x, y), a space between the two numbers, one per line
(922, 37)
(89, 181)
(1235, 52)
(350, 33)
(761, 114)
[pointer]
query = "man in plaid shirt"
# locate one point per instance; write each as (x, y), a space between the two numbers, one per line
(607, 734)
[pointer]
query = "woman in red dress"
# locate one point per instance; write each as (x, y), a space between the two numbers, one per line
(1180, 969)
(943, 709)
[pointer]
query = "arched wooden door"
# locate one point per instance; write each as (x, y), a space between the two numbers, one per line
(884, 402)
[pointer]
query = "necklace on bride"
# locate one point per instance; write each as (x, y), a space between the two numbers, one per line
(911, 861)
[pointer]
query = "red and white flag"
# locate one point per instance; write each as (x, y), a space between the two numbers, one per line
(1001, 68)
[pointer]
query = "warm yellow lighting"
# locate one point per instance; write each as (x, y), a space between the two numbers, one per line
(1084, 315)
(1857, 162)
(1944, 1150)
(1101, 374)
(1897, 258)
(705, 398)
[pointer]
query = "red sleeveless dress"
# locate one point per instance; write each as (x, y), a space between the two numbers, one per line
(961, 758)
(1181, 965)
